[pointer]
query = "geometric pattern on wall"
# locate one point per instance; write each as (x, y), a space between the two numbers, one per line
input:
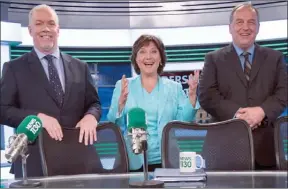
(187, 53)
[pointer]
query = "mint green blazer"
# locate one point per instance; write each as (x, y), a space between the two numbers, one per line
(173, 105)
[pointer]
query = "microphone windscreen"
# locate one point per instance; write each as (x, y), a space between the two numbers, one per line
(31, 126)
(136, 118)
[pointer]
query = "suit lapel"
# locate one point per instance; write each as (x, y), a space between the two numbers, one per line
(68, 76)
(163, 96)
(258, 59)
(39, 74)
(235, 65)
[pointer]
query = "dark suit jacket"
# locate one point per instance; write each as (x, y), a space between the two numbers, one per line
(223, 89)
(25, 90)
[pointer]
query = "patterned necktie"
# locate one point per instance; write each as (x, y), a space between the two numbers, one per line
(54, 79)
(247, 65)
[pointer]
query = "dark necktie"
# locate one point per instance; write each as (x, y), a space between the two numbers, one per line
(247, 65)
(54, 79)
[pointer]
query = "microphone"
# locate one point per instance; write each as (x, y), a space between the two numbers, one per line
(26, 132)
(137, 127)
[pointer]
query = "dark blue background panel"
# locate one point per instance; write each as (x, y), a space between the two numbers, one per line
(109, 74)
(104, 114)
(105, 95)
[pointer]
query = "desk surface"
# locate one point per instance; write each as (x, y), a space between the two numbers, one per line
(214, 180)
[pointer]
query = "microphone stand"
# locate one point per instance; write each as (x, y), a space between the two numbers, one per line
(145, 163)
(146, 183)
(25, 183)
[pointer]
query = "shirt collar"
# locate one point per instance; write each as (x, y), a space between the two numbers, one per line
(239, 51)
(41, 55)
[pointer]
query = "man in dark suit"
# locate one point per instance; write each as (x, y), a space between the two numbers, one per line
(246, 81)
(52, 85)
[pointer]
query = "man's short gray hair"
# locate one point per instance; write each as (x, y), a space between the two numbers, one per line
(42, 6)
(247, 4)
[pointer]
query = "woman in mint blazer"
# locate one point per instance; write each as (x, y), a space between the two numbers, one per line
(162, 99)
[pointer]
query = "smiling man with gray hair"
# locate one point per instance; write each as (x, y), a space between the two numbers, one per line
(246, 81)
(50, 84)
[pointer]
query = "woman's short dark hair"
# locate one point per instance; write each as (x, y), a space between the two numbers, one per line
(145, 40)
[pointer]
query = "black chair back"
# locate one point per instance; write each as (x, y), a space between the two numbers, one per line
(69, 157)
(281, 142)
(226, 145)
